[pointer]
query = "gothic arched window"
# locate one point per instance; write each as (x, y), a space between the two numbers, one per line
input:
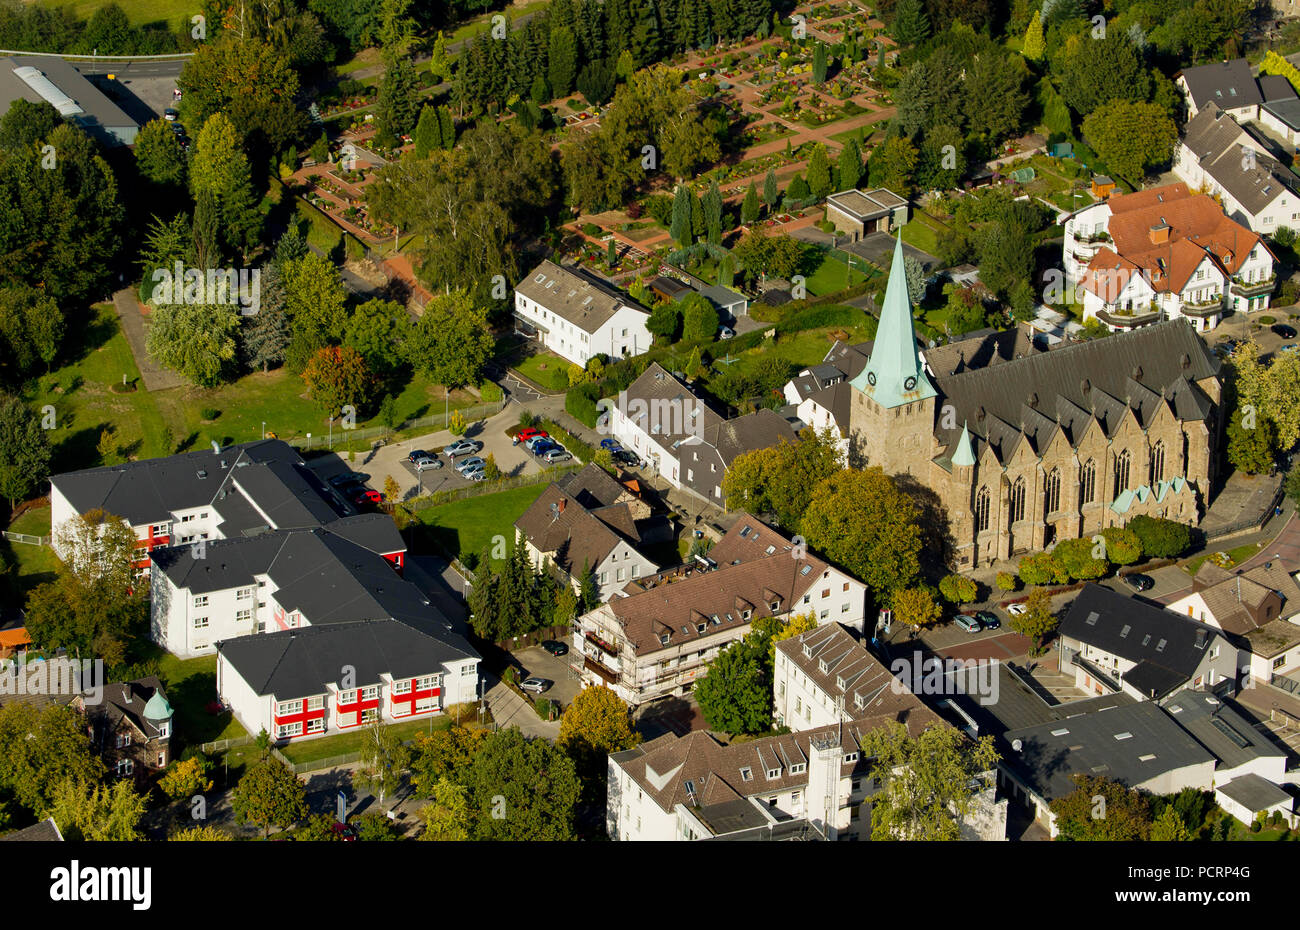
(982, 499)
(1088, 482)
(1158, 462)
(1122, 462)
(1052, 492)
(1018, 500)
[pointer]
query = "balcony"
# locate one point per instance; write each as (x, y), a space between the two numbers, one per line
(599, 670)
(1203, 308)
(611, 651)
(1253, 288)
(1093, 239)
(1130, 316)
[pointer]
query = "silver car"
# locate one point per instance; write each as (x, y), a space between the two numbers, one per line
(557, 455)
(427, 463)
(462, 447)
(471, 464)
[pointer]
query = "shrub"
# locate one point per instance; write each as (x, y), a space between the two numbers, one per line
(1122, 545)
(527, 419)
(591, 229)
(1042, 568)
(490, 392)
(457, 425)
(510, 676)
(545, 707)
(209, 413)
(958, 589)
(1079, 559)
(1268, 320)
(1007, 581)
(1255, 826)
(1161, 538)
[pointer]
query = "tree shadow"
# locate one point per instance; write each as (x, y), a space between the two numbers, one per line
(937, 543)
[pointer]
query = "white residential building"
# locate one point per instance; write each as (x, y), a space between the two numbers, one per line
(576, 316)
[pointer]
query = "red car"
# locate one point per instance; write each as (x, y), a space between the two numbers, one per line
(344, 831)
(369, 496)
(528, 433)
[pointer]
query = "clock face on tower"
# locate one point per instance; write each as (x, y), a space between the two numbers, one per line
(909, 384)
(871, 378)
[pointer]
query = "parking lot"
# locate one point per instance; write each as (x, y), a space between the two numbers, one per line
(537, 661)
(392, 459)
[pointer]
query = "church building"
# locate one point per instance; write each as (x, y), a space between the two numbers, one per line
(1027, 446)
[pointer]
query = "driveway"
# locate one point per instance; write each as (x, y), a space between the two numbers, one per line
(878, 248)
(510, 710)
(537, 661)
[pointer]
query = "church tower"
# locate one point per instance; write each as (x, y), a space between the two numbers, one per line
(892, 407)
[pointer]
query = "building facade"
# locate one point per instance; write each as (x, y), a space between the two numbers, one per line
(577, 316)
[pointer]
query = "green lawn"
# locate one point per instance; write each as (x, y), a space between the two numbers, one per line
(832, 276)
(922, 233)
(464, 528)
(85, 403)
(191, 685)
(548, 370)
(801, 349)
(33, 565)
(472, 28)
(1238, 555)
(137, 11)
(344, 743)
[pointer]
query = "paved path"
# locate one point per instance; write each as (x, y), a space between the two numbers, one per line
(510, 710)
(155, 377)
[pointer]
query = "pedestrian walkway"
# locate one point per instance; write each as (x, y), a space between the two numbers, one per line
(130, 314)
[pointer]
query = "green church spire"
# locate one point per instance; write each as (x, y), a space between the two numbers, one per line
(964, 454)
(894, 374)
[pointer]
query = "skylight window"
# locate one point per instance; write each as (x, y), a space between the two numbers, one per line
(1124, 735)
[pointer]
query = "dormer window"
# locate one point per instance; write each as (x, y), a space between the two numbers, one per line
(701, 627)
(821, 664)
(839, 682)
(850, 758)
(807, 651)
(773, 773)
(663, 638)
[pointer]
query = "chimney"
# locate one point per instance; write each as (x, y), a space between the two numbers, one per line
(1159, 233)
(563, 501)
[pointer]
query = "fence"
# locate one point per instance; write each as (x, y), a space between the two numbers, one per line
(433, 423)
(317, 765)
(1247, 524)
(222, 745)
(27, 539)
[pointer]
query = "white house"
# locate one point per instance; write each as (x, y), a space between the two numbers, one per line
(1226, 84)
(576, 316)
(654, 416)
(1219, 156)
(1165, 253)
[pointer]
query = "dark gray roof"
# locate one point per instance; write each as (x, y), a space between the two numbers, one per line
(658, 385)
(1251, 791)
(1167, 647)
(1032, 397)
(1227, 83)
(723, 297)
(1288, 111)
(149, 490)
(98, 115)
(1218, 142)
(304, 662)
(1218, 726)
(126, 701)
(758, 430)
(47, 831)
(583, 300)
(1275, 88)
(1130, 744)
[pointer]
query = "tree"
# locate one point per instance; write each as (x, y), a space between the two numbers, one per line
(25, 124)
(680, 228)
(819, 173)
(1034, 46)
(398, 98)
(31, 329)
(911, 26)
(159, 157)
(1123, 547)
(24, 450)
(447, 818)
(1131, 137)
(383, 759)
(428, 132)
(1007, 581)
(1077, 557)
(736, 694)
(925, 780)
(203, 834)
(562, 61)
(1161, 538)
(771, 194)
(315, 304)
(185, 778)
(819, 67)
(892, 165)
(269, 795)
(780, 479)
(220, 169)
(1042, 568)
(1169, 828)
(86, 811)
(197, 341)
(915, 607)
(665, 321)
(337, 376)
(1038, 621)
(1092, 72)
(521, 789)
(444, 754)
(453, 340)
(941, 161)
(266, 333)
(958, 589)
(699, 318)
(379, 330)
(850, 166)
(1102, 809)
(749, 208)
(862, 521)
(41, 747)
(594, 725)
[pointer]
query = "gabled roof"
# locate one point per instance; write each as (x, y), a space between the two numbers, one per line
(580, 299)
(47, 831)
(558, 525)
(758, 430)
(1217, 725)
(1227, 83)
(669, 410)
(1235, 600)
(127, 702)
(1167, 647)
(1237, 159)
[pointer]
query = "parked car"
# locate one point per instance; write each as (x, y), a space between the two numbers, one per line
(415, 455)
(1017, 609)
(462, 447)
(555, 648)
(179, 129)
(557, 455)
(349, 477)
(427, 463)
(726, 332)
(475, 474)
(545, 446)
(1285, 331)
(369, 496)
(989, 620)
(967, 623)
(532, 442)
(528, 433)
(344, 831)
(1289, 347)
(1139, 582)
(471, 464)
(170, 115)
(535, 684)
(611, 444)
(627, 457)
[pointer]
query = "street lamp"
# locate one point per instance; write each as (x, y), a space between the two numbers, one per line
(331, 432)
